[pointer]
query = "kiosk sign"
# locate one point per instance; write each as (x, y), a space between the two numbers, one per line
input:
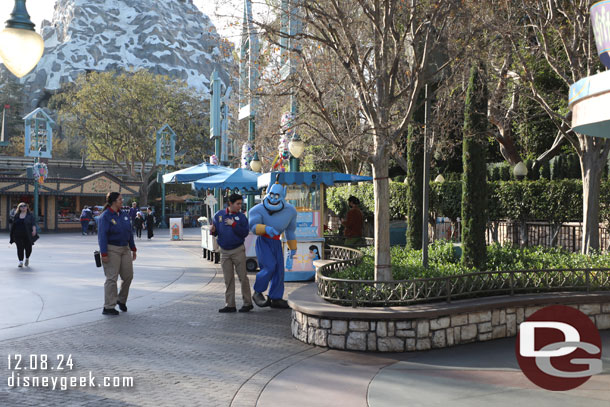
(600, 21)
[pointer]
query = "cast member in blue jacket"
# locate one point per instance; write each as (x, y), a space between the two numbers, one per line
(231, 228)
(269, 220)
(118, 251)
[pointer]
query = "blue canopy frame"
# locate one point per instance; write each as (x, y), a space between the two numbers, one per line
(299, 178)
(238, 178)
(194, 173)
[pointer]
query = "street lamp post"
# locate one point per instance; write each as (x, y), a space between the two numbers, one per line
(20, 46)
(248, 80)
(296, 147)
(38, 144)
(520, 170)
(166, 154)
(255, 164)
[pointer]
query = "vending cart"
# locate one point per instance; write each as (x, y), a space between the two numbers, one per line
(306, 191)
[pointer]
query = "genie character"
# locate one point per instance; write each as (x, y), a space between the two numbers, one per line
(268, 220)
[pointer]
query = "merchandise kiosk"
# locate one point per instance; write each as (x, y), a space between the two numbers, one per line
(306, 191)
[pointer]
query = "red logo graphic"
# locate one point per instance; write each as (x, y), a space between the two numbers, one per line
(559, 348)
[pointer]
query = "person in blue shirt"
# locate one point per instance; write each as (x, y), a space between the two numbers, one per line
(231, 228)
(118, 252)
(133, 212)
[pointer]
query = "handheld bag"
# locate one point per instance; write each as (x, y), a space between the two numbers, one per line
(98, 258)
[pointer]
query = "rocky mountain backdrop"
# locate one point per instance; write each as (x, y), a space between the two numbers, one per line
(170, 37)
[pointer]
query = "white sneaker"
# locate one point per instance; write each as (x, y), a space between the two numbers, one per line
(20, 264)
(27, 262)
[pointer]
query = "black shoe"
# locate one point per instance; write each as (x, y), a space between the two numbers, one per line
(259, 299)
(246, 308)
(283, 304)
(122, 306)
(110, 311)
(227, 309)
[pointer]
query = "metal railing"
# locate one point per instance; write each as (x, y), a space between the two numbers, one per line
(487, 283)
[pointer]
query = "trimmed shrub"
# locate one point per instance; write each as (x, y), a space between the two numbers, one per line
(474, 192)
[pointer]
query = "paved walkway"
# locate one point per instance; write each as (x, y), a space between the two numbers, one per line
(181, 352)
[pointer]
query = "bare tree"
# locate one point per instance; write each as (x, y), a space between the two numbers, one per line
(384, 47)
(560, 33)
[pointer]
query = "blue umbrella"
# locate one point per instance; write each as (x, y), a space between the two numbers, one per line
(194, 173)
(234, 179)
(319, 177)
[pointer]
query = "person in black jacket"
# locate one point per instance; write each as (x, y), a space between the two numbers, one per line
(150, 223)
(138, 223)
(22, 233)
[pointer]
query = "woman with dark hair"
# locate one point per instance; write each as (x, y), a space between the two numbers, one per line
(118, 252)
(23, 230)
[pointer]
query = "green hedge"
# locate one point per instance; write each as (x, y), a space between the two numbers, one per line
(406, 263)
(565, 166)
(553, 201)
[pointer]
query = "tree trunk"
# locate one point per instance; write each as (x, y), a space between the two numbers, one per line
(494, 226)
(591, 165)
(508, 149)
(523, 237)
(144, 194)
(381, 187)
(555, 229)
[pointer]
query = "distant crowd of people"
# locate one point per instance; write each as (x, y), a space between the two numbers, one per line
(139, 220)
(115, 229)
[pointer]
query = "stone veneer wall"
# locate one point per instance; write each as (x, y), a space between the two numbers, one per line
(424, 333)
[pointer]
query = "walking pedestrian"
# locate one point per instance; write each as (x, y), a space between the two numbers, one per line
(353, 222)
(85, 217)
(138, 222)
(133, 212)
(118, 252)
(23, 231)
(231, 227)
(150, 223)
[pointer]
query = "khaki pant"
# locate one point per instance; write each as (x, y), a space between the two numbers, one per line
(120, 264)
(230, 260)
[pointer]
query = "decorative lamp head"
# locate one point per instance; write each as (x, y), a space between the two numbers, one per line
(20, 46)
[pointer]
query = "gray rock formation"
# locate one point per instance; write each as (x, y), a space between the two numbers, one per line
(169, 37)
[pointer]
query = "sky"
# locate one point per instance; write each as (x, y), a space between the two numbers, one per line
(215, 9)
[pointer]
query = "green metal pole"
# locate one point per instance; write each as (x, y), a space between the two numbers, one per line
(251, 136)
(294, 108)
(36, 179)
(36, 199)
(163, 225)
(217, 148)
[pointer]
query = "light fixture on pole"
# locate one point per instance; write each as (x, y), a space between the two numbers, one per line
(520, 170)
(439, 178)
(256, 164)
(20, 46)
(296, 146)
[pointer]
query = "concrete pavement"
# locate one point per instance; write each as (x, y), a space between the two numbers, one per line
(181, 352)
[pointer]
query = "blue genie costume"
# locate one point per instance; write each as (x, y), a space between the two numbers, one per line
(269, 220)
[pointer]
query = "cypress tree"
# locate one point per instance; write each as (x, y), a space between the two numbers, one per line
(474, 191)
(415, 183)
